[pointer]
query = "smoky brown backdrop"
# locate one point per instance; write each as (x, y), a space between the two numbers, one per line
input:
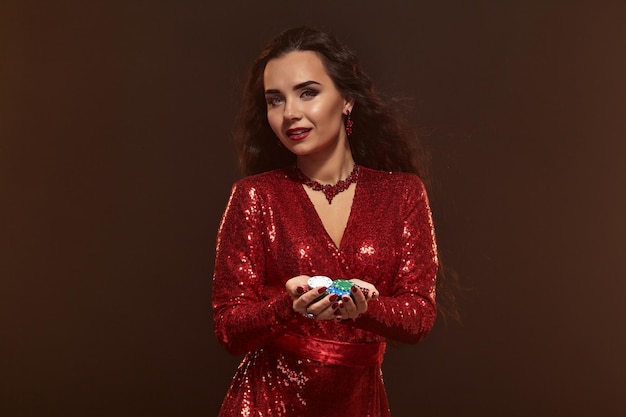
(116, 163)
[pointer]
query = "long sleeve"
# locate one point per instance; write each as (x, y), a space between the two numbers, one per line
(271, 232)
(407, 312)
(244, 318)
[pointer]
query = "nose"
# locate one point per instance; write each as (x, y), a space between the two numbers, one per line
(292, 110)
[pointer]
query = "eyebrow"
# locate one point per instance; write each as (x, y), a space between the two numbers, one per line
(295, 87)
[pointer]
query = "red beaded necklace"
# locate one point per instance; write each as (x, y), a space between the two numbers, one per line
(330, 191)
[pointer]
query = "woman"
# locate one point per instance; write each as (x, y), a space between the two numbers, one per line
(331, 191)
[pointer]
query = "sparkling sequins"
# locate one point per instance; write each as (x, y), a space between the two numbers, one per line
(271, 232)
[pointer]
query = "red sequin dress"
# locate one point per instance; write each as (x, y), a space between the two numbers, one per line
(271, 232)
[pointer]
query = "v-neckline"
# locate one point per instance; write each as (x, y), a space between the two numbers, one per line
(319, 221)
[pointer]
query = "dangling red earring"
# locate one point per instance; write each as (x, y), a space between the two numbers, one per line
(349, 124)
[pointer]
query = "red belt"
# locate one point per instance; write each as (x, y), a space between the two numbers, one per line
(332, 351)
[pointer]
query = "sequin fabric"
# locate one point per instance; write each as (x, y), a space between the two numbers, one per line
(271, 232)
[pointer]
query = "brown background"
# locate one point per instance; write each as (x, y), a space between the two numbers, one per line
(116, 162)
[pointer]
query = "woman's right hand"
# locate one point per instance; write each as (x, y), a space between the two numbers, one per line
(304, 299)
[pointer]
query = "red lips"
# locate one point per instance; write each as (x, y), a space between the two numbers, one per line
(298, 133)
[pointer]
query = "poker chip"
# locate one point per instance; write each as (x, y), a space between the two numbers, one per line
(319, 281)
(365, 291)
(340, 287)
(343, 287)
(342, 284)
(339, 292)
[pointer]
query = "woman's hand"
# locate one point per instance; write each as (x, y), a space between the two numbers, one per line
(304, 299)
(353, 307)
(329, 307)
(297, 286)
(372, 293)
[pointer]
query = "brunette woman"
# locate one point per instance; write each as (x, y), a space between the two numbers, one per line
(332, 190)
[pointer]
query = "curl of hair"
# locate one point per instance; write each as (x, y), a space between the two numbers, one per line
(380, 139)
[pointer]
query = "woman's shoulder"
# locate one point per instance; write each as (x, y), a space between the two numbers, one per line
(392, 179)
(264, 180)
(394, 189)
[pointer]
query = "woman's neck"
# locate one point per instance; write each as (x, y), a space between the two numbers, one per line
(328, 170)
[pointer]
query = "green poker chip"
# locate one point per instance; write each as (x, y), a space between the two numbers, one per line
(340, 287)
(342, 284)
(343, 287)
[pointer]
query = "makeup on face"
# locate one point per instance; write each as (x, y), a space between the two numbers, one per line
(304, 108)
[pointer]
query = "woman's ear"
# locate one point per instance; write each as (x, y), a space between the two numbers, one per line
(348, 105)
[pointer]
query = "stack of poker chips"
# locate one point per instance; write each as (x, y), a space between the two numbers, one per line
(340, 287)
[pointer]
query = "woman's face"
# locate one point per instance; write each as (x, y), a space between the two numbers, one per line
(304, 108)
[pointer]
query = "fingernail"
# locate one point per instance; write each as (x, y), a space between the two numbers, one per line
(332, 298)
(340, 304)
(346, 299)
(321, 290)
(334, 306)
(354, 288)
(300, 290)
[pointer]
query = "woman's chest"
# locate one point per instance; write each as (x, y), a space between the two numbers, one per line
(296, 242)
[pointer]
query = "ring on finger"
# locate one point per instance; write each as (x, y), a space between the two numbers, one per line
(309, 315)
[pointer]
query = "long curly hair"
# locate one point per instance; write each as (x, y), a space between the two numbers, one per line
(380, 139)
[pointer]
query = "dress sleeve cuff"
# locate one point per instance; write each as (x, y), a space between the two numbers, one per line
(283, 309)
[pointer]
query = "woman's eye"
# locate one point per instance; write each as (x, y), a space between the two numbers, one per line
(273, 101)
(309, 93)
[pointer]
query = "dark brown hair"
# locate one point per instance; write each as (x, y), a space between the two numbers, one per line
(379, 139)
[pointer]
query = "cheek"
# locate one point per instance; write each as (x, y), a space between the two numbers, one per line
(323, 114)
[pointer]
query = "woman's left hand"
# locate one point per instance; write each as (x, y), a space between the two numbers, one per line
(353, 307)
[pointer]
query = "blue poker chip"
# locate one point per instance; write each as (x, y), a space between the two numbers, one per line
(340, 293)
(343, 287)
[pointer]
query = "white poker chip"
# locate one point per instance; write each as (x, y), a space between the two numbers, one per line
(319, 281)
